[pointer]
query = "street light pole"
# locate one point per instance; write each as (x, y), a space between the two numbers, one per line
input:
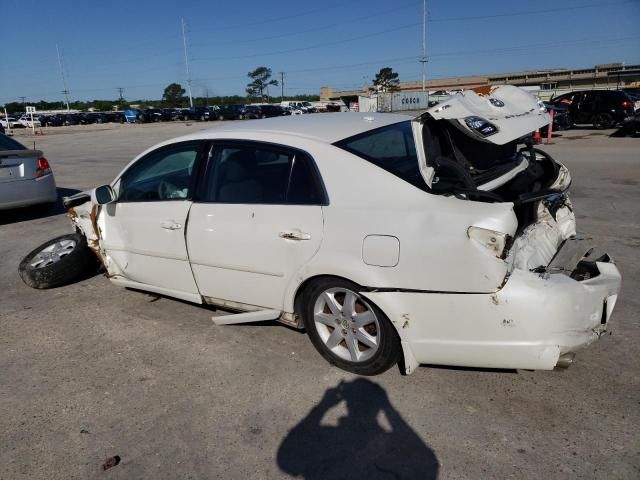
(423, 59)
(186, 63)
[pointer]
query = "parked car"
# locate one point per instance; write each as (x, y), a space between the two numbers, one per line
(303, 107)
(274, 111)
(137, 115)
(156, 115)
(233, 112)
(25, 176)
(29, 121)
(631, 125)
(433, 239)
(253, 111)
(195, 113)
(561, 118)
(51, 120)
(10, 122)
(602, 108)
(70, 119)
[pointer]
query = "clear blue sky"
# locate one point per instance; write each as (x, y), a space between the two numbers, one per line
(137, 44)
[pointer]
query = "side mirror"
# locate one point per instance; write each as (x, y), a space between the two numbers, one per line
(103, 195)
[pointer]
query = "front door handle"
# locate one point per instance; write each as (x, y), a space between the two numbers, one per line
(170, 225)
(295, 235)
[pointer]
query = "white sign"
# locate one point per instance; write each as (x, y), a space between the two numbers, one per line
(31, 109)
(409, 101)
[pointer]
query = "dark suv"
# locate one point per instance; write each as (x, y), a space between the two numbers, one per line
(602, 108)
(233, 112)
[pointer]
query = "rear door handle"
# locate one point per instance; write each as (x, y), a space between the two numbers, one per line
(170, 225)
(295, 235)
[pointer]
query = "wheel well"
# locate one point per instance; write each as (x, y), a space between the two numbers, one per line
(304, 287)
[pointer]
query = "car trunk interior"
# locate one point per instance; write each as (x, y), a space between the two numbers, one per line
(464, 164)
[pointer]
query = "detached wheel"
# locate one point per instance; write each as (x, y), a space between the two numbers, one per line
(603, 120)
(57, 262)
(348, 330)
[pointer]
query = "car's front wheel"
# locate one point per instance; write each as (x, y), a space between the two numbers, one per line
(57, 262)
(347, 329)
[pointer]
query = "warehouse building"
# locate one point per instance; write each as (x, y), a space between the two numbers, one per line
(545, 83)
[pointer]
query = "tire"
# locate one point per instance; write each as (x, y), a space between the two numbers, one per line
(332, 329)
(67, 259)
(603, 120)
(240, 117)
(202, 118)
(220, 117)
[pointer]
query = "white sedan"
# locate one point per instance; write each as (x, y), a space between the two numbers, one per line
(432, 240)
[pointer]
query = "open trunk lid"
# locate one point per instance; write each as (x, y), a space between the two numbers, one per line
(494, 115)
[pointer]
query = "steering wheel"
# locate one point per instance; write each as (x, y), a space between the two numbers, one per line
(166, 190)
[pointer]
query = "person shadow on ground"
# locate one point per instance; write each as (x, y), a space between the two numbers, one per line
(359, 447)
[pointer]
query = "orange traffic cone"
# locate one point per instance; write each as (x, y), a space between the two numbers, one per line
(537, 138)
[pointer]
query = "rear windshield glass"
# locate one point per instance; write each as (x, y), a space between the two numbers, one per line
(391, 148)
(7, 143)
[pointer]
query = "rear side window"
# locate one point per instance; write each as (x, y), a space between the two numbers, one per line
(255, 173)
(391, 148)
(8, 143)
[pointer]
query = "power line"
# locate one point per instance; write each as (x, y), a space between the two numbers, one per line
(530, 12)
(317, 29)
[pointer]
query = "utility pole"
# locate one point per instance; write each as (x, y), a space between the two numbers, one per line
(120, 92)
(186, 64)
(65, 92)
(22, 99)
(423, 59)
(281, 86)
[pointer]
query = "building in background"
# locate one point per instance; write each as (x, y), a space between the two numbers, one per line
(544, 83)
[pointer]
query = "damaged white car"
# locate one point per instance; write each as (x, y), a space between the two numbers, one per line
(434, 240)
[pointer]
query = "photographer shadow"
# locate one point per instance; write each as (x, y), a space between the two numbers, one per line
(359, 446)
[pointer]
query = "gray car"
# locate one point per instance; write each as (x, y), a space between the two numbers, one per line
(25, 176)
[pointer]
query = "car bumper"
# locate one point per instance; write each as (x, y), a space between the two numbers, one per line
(528, 324)
(23, 193)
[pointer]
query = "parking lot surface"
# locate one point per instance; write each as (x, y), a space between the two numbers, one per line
(91, 371)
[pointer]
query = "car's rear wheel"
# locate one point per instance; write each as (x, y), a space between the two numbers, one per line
(57, 262)
(603, 120)
(347, 329)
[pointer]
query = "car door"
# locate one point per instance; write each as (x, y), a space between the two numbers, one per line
(143, 231)
(257, 222)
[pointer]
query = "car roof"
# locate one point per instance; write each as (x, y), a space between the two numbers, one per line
(324, 127)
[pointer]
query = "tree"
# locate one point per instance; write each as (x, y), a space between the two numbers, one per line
(260, 81)
(173, 95)
(386, 81)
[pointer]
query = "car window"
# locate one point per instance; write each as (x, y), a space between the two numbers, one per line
(164, 174)
(256, 173)
(391, 148)
(8, 143)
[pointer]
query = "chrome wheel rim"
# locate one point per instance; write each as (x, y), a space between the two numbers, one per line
(346, 324)
(53, 253)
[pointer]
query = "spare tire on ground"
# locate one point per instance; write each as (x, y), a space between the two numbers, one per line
(58, 262)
